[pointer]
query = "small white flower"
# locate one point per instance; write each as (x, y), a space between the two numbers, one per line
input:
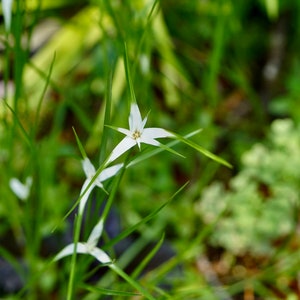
(137, 134)
(90, 172)
(6, 8)
(88, 247)
(21, 190)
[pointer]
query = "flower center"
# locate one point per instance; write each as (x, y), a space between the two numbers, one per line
(136, 135)
(90, 247)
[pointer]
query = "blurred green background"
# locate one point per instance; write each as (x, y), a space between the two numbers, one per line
(229, 67)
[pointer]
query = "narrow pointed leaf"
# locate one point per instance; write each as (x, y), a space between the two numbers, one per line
(148, 154)
(203, 150)
(131, 281)
(81, 149)
(149, 217)
(107, 113)
(99, 290)
(128, 75)
(163, 146)
(147, 259)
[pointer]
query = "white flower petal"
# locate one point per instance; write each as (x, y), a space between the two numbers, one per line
(7, 8)
(121, 148)
(20, 190)
(125, 131)
(98, 183)
(88, 168)
(156, 133)
(109, 172)
(149, 140)
(85, 197)
(143, 123)
(137, 134)
(100, 255)
(135, 118)
(96, 233)
(69, 250)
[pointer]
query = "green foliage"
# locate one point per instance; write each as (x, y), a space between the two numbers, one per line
(215, 72)
(260, 205)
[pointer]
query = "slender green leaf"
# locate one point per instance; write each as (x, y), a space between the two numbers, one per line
(147, 154)
(128, 76)
(108, 99)
(17, 120)
(163, 146)
(99, 290)
(147, 259)
(47, 82)
(149, 217)
(81, 149)
(203, 150)
(131, 281)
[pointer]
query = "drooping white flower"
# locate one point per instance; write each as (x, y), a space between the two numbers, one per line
(137, 134)
(90, 172)
(21, 190)
(89, 247)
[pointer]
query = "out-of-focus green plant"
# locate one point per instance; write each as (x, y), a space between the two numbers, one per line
(287, 103)
(260, 206)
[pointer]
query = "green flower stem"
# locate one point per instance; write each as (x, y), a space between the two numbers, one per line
(128, 76)
(74, 256)
(108, 97)
(78, 223)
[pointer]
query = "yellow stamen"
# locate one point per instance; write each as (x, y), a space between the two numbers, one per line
(136, 134)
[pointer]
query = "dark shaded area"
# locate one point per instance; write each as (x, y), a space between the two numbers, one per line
(12, 282)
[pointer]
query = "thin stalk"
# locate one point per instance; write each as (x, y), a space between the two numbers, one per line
(106, 117)
(113, 192)
(18, 53)
(145, 31)
(6, 70)
(216, 56)
(70, 290)
(78, 223)
(128, 76)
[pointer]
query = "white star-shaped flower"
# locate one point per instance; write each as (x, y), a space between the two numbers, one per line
(90, 172)
(89, 247)
(137, 134)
